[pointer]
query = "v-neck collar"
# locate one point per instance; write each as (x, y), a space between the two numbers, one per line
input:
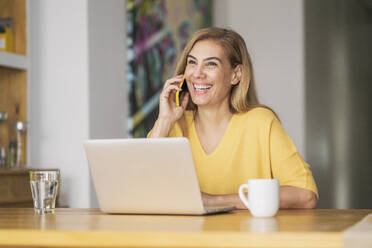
(220, 144)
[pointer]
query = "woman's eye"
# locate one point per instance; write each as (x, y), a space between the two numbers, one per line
(211, 64)
(191, 62)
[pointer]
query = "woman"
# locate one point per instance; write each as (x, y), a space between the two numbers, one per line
(232, 137)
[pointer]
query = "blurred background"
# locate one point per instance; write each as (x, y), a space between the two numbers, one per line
(94, 70)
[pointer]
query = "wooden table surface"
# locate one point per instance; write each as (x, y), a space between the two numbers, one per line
(91, 228)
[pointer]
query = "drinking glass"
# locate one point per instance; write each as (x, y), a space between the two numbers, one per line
(44, 189)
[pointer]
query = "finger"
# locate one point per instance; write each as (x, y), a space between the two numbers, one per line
(172, 95)
(175, 80)
(166, 92)
(185, 100)
(172, 99)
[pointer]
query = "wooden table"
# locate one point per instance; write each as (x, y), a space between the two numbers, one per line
(91, 228)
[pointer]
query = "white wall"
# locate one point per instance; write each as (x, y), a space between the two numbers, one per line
(107, 68)
(274, 33)
(108, 107)
(58, 92)
(73, 87)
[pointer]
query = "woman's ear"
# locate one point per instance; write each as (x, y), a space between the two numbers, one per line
(237, 74)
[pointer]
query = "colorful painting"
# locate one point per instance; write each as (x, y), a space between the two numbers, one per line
(157, 33)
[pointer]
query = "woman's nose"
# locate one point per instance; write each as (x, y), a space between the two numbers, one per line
(198, 72)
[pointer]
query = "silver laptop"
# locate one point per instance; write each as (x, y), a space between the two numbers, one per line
(146, 176)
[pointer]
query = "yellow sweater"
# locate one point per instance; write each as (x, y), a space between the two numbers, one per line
(254, 145)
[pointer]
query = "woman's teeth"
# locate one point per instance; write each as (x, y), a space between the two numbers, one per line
(199, 87)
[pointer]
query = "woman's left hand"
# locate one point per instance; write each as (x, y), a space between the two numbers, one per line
(222, 200)
(209, 200)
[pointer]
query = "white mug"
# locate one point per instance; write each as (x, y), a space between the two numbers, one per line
(263, 196)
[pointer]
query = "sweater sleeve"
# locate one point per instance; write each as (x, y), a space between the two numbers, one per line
(287, 165)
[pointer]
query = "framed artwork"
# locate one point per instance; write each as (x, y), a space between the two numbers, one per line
(157, 30)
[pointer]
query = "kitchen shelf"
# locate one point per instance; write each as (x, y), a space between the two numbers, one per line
(14, 75)
(14, 61)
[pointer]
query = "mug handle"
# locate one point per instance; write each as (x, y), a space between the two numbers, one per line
(242, 195)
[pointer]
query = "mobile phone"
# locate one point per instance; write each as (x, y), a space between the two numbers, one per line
(183, 86)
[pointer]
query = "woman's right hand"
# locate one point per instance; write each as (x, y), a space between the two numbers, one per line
(169, 113)
(168, 109)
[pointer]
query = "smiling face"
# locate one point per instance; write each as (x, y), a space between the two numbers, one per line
(209, 74)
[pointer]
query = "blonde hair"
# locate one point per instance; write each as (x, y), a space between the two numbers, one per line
(243, 95)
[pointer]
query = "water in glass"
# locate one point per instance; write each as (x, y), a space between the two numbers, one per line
(44, 194)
